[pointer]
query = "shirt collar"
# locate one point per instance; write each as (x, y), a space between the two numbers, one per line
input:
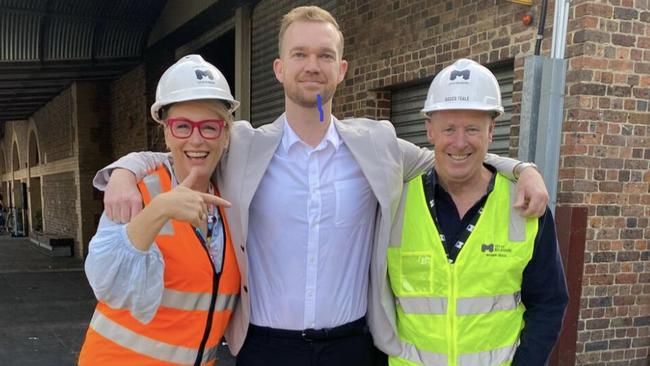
(433, 178)
(290, 138)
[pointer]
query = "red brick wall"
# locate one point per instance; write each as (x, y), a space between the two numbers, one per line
(604, 165)
(390, 43)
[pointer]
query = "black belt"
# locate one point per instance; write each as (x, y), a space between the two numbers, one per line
(353, 328)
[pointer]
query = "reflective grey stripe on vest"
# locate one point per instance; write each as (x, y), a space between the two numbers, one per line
(516, 223)
(423, 305)
(494, 357)
(487, 304)
(155, 188)
(196, 300)
(411, 353)
(464, 306)
(144, 345)
(210, 353)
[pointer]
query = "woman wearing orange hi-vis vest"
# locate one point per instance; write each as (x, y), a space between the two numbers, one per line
(168, 281)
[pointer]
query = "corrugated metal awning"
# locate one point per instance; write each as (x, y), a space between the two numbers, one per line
(45, 45)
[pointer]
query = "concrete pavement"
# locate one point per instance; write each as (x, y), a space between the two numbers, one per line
(45, 306)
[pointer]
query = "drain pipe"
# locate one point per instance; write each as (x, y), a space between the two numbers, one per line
(540, 27)
(560, 24)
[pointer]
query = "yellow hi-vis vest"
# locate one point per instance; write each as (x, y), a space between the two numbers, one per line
(467, 313)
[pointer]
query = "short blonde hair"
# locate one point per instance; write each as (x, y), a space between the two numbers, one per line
(220, 107)
(308, 14)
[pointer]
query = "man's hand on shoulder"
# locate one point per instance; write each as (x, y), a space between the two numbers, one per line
(532, 196)
(122, 199)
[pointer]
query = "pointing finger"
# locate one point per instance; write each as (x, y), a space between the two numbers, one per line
(215, 200)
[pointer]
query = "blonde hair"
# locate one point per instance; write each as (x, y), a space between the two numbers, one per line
(219, 105)
(308, 14)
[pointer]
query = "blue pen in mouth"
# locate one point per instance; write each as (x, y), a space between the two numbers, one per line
(319, 100)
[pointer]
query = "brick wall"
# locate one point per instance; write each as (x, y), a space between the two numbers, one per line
(54, 120)
(157, 62)
(59, 204)
(129, 113)
(53, 128)
(16, 137)
(56, 139)
(92, 105)
(73, 134)
(604, 165)
(391, 43)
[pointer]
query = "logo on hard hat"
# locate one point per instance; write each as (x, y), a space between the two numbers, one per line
(457, 73)
(200, 74)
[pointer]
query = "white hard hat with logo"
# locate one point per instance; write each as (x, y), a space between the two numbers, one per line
(191, 78)
(466, 85)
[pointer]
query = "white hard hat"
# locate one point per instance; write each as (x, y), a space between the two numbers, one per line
(464, 85)
(191, 78)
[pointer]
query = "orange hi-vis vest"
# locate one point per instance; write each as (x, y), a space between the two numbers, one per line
(197, 302)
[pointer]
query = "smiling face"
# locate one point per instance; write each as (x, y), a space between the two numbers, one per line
(196, 151)
(310, 63)
(461, 139)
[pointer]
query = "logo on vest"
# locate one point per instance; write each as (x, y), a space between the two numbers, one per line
(495, 250)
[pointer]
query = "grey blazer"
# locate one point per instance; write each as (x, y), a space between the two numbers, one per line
(386, 161)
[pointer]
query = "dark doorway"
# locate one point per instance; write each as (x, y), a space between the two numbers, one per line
(25, 211)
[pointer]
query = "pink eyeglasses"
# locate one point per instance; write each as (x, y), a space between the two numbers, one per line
(182, 128)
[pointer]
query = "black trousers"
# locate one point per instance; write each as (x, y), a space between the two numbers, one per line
(347, 345)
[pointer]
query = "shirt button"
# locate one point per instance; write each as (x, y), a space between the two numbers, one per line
(242, 248)
(245, 289)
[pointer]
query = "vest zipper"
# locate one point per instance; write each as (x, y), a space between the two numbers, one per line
(452, 316)
(215, 288)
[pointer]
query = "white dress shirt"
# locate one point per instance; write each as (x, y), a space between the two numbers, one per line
(310, 234)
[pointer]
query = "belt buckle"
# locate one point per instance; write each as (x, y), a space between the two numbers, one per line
(312, 335)
(306, 335)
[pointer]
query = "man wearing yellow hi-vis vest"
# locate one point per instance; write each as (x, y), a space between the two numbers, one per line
(475, 283)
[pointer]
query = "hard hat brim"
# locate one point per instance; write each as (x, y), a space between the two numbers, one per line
(463, 106)
(157, 106)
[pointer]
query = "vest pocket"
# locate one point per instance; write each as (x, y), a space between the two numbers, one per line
(416, 270)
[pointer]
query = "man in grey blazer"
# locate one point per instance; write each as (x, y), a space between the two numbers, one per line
(312, 212)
